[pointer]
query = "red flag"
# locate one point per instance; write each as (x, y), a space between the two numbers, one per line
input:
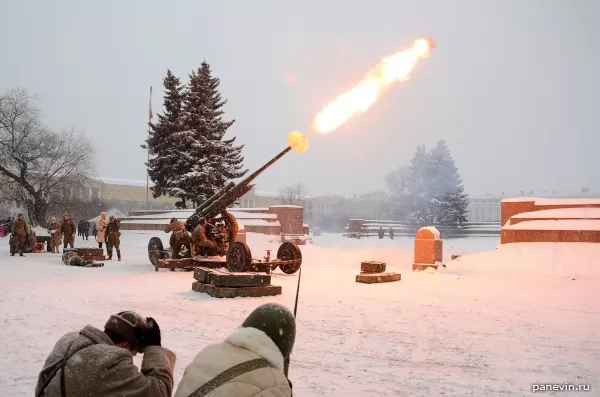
(150, 115)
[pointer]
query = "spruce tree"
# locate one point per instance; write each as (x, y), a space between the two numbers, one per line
(162, 167)
(210, 161)
(448, 202)
(231, 154)
(186, 183)
(418, 187)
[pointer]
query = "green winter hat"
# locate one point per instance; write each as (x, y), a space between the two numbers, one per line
(277, 322)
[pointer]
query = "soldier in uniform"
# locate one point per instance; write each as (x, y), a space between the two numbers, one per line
(20, 231)
(55, 236)
(231, 225)
(68, 229)
(179, 238)
(113, 237)
(257, 353)
(85, 229)
(199, 240)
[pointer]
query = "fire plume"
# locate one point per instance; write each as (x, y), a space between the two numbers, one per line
(391, 69)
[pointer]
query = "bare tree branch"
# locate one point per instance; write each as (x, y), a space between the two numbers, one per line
(37, 163)
(397, 182)
(293, 194)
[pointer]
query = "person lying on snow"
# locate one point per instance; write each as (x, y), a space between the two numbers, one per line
(72, 258)
(96, 363)
(250, 362)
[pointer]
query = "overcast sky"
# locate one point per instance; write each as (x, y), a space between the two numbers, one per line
(512, 85)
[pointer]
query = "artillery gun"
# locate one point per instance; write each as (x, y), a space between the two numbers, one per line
(238, 256)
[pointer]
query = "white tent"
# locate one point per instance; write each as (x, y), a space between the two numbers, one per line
(111, 212)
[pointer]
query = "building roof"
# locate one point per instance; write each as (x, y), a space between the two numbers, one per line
(123, 181)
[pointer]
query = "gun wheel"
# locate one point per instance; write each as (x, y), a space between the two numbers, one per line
(239, 257)
(155, 250)
(289, 251)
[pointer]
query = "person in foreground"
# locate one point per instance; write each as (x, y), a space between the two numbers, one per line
(98, 363)
(250, 362)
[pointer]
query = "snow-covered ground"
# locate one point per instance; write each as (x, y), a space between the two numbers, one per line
(490, 324)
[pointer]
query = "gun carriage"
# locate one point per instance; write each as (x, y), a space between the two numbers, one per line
(238, 257)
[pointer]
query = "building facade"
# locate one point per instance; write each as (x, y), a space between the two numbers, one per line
(131, 196)
(487, 208)
(484, 209)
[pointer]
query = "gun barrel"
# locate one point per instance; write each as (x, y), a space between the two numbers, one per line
(232, 192)
(230, 197)
(259, 171)
(214, 197)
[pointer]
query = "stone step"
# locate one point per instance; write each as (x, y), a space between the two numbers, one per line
(374, 278)
(220, 278)
(372, 267)
(243, 292)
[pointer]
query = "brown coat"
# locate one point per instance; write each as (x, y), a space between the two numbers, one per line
(103, 369)
(180, 235)
(199, 236)
(232, 226)
(20, 229)
(113, 233)
(68, 230)
(56, 237)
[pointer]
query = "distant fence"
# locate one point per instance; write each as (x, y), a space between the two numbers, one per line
(358, 228)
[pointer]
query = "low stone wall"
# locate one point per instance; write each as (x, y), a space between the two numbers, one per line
(512, 207)
(550, 226)
(289, 220)
(370, 228)
(263, 229)
(549, 236)
(290, 217)
(159, 229)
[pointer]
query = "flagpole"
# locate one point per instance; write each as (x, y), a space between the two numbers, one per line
(148, 152)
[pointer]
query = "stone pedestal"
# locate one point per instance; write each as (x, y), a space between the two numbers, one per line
(428, 249)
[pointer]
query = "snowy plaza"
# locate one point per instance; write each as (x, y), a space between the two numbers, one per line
(236, 199)
(494, 322)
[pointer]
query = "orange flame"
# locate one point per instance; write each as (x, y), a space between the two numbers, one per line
(298, 141)
(392, 69)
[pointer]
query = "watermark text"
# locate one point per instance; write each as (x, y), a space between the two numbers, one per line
(559, 387)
